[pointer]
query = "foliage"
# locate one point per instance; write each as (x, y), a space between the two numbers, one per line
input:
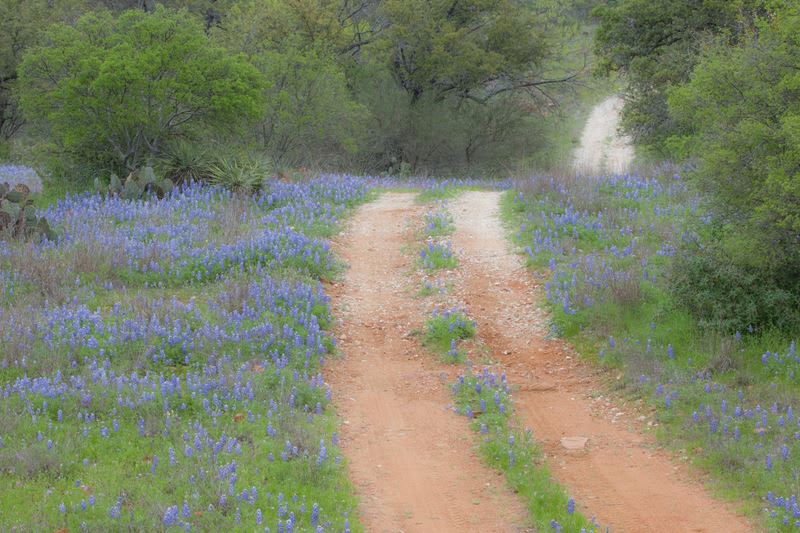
(443, 332)
(436, 256)
(439, 223)
(727, 294)
(238, 173)
(741, 115)
(334, 85)
(470, 49)
(309, 109)
(655, 46)
(184, 161)
(23, 21)
(115, 91)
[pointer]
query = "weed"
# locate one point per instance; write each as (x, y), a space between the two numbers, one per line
(435, 256)
(443, 331)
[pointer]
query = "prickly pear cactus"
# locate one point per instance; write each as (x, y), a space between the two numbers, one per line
(17, 215)
(138, 185)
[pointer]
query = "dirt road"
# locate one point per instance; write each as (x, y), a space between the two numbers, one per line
(602, 148)
(412, 459)
(410, 456)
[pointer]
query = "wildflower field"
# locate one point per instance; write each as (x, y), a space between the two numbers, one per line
(160, 364)
(608, 248)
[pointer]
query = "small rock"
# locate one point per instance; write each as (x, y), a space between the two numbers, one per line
(574, 443)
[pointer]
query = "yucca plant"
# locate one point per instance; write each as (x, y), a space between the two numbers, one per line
(239, 173)
(185, 161)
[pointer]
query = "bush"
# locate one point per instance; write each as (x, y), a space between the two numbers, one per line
(724, 292)
(741, 116)
(184, 162)
(115, 92)
(239, 173)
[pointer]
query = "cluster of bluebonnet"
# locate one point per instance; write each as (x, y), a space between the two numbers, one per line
(482, 393)
(784, 510)
(439, 222)
(195, 406)
(450, 326)
(593, 250)
(192, 237)
(436, 255)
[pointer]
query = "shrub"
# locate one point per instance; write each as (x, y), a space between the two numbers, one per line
(239, 173)
(184, 162)
(741, 111)
(725, 293)
(115, 92)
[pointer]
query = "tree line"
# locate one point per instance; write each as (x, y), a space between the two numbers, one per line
(364, 85)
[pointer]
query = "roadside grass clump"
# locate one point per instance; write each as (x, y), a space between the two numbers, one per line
(609, 247)
(485, 398)
(436, 256)
(160, 364)
(438, 224)
(444, 331)
(431, 288)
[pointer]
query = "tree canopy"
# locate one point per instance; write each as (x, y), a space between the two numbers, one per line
(741, 116)
(115, 90)
(468, 49)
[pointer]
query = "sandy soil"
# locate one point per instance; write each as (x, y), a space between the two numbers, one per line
(619, 476)
(602, 149)
(410, 456)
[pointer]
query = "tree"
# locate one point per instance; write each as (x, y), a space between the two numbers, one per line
(299, 46)
(474, 49)
(741, 116)
(115, 91)
(655, 46)
(741, 111)
(23, 21)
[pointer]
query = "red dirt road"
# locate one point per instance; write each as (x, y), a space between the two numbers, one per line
(410, 457)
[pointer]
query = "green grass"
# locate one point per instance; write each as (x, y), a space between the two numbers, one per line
(486, 400)
(132, 466)
(438, 193)
(438, 223)
(53, 189)
(443, 332)
(433, 288)
(436, 256)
